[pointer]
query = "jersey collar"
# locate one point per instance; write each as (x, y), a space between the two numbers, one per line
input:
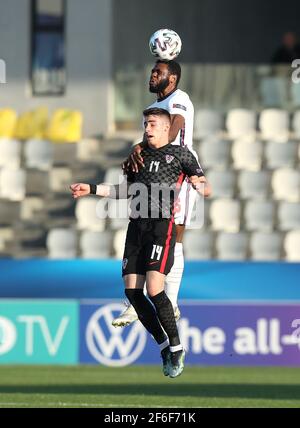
(164, 98)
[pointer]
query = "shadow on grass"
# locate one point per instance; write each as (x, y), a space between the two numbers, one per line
(261, 391)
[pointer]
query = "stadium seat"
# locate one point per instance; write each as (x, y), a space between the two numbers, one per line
(222, 183)
(292, 246)
(288, 216)
(60, 179)
(10, 150)
(65, 126)
(265, 246)
(247, 155)
(296, 123)
(295, 94)
(86, 214)
(286, 184)
(206, 123)
(32, 124)
(280, 155)
(64, 154)
(259, 215)
(6, 236)
(32, 209)
(37, 182)
(118, 213)
(38, 154)
(274, 91)
(8, 120)
(114, 175)
(61, 244)
(214, 153)
(241, 123)
(274, 125)
(119, 243)
(225, 215)
(254, 184)
(9, 212)
(95, 245)
(88, 150)
(231, 246)
(198, 245)
(12, 184)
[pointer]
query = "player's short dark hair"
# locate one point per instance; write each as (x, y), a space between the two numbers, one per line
(173, 67)
(155, 111)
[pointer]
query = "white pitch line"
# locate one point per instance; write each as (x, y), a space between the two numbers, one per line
(90, 405)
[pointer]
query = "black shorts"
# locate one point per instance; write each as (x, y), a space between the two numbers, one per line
(149, 246)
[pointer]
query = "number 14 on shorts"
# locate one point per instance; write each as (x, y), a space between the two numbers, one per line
(156, 252)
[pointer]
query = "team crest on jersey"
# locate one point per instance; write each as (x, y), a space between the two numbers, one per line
(169, 158)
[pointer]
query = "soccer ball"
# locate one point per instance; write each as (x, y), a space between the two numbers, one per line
(165, 44)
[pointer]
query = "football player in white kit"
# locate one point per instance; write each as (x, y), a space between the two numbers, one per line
(164, 80)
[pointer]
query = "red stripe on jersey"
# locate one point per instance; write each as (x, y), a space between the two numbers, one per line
(169, 233)
(182, 135)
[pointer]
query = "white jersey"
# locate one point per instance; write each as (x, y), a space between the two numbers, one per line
(178, 102)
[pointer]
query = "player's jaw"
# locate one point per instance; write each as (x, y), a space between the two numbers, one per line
(156, 86)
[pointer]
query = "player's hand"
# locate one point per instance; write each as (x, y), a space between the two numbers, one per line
(80, 189)
(134, 161)
(201, 185)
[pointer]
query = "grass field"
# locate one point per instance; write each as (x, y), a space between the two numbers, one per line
(145, 386)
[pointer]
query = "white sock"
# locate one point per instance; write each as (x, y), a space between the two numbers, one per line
(164, 345)
(176, 348)
(173, 279)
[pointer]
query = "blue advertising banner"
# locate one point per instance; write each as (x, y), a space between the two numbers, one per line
(209, 280)
(212, 334)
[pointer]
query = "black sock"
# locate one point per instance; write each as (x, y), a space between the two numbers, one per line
(165, 313)
(146, 313)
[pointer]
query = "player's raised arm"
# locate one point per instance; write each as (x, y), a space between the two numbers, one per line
(119, 191)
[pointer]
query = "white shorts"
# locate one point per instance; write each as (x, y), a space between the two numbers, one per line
(185, 203)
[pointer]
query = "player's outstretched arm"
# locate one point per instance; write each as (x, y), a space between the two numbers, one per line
(104, 190)
(83, 189)
(80, 189)
(201, 185)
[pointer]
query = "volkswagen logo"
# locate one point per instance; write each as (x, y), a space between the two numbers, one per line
(112, 346)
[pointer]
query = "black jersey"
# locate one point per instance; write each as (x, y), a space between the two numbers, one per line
(158, 183)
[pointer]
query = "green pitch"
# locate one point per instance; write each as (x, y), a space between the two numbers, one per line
(145, 386)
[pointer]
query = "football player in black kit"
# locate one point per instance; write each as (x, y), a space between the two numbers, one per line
(151, 235)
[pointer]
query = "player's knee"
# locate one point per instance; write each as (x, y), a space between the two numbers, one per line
(134, 295)
(160, 300)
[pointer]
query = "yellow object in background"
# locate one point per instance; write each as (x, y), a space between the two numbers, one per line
(8, 119)
(65, 126)
(32, 124)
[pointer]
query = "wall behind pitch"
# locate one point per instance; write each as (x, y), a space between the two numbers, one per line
(214, 31)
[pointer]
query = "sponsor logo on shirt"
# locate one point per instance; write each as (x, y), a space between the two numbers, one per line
(179, 106)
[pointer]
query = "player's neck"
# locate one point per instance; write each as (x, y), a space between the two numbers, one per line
(165, 93)
(158, 144)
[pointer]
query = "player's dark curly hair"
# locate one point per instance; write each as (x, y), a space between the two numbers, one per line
(173, 67)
